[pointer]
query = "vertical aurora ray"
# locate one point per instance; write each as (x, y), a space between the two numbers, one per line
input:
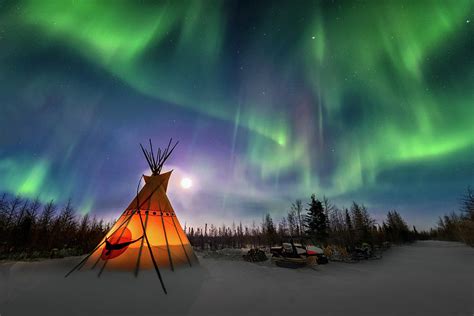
(323, 97)
(381, 60)
(120, 41)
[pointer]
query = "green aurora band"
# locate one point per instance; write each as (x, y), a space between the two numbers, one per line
(375, 60)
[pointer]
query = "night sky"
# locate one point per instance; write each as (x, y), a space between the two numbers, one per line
(367, 100)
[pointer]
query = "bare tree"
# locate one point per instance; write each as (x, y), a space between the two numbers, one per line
(297, 207)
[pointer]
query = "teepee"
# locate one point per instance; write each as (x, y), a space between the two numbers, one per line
(148, 234)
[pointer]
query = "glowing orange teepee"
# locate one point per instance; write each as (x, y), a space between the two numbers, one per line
(148, 234)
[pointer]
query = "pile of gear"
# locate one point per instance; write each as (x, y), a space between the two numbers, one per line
(255, 255)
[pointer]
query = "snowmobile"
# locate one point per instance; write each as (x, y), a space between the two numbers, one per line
(294, 255)
(318, 252)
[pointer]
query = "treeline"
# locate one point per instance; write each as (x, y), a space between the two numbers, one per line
(456, 226)
(29, 229)
(320, 222)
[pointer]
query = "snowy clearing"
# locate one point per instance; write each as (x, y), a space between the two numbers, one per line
(426, 278)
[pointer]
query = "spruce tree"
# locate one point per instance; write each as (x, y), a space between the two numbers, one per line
(362, 222)
(316, 220)
(269, 229)
(397, 228)
(467, 207)
(349, 228)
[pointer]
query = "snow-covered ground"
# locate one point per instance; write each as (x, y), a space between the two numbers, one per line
(427, 278)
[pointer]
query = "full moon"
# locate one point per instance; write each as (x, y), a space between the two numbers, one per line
(186, 183)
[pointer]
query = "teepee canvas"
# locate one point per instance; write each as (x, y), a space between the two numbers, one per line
(148, 234)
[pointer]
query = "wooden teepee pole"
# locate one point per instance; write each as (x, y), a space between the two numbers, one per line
(153, 257)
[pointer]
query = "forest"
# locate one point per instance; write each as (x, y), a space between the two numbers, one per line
(30, 229)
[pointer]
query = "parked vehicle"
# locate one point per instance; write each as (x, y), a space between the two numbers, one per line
(318, 252)
(295, 255)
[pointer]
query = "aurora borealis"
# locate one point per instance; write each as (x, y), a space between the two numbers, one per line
(357, 100)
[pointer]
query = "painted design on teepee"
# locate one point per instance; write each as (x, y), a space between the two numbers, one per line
(117, 243)
(148, 234)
